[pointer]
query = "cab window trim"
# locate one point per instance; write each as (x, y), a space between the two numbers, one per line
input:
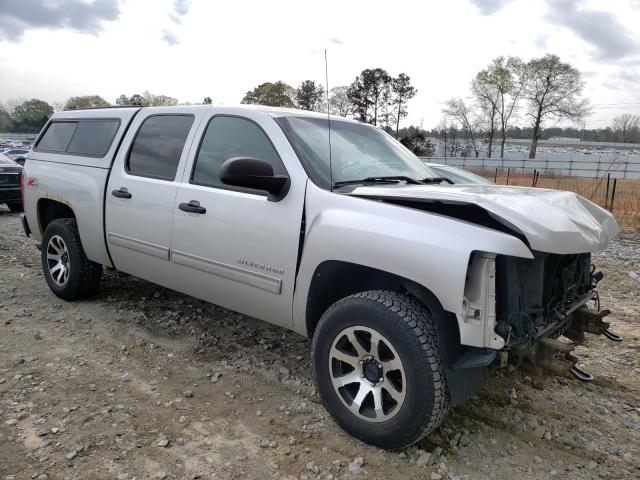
(232, 188)
(135, 136)
(77, 121)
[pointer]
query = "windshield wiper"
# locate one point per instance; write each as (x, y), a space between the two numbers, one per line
(436, 180)
(388, 179)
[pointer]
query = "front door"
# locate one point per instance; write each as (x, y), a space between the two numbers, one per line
(239, 249)
(141, 192)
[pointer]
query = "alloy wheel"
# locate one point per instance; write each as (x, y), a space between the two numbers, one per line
(58, 260)
(367, 374)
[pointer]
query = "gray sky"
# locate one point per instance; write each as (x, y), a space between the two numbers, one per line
(192, 49)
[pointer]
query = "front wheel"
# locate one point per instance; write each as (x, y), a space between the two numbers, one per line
(378, 369)
(67, 270)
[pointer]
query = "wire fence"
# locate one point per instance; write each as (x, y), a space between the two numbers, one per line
(614, 189)
(18, 137)
(576, 142)
(566, 165)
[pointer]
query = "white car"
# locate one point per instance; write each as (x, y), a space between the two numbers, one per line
(409, 287)
(458, 175)
(18, 155)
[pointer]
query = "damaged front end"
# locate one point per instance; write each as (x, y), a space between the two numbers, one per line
(535, 298)
(539, 300)
(518, 308)
(515, 310)
(516, 305)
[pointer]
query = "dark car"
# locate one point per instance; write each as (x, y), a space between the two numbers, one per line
(10, 174)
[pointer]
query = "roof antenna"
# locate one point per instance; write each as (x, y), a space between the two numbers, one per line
(326, 78)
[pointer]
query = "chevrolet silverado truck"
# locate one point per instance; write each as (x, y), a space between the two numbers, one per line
(409, 286)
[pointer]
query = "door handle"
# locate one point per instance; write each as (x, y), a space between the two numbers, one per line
(121, 193)
(192, 207)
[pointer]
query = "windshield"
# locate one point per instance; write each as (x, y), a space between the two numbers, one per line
(358, 151)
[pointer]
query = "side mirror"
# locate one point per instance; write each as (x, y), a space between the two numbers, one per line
(253, 173)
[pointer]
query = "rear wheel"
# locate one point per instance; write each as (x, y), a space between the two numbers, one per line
(67, 270)
(377, 367)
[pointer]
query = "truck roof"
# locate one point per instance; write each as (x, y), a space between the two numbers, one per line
(276, 112)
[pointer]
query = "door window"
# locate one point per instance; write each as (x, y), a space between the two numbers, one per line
(158, 145)
(227, 137)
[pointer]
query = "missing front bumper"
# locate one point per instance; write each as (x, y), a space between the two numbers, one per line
(548, 356)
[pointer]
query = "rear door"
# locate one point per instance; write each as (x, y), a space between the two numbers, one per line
(141, 192)
(241, 251)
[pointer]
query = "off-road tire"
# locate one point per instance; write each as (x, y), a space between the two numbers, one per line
(84, 275)
(411, 328)
(15, 207)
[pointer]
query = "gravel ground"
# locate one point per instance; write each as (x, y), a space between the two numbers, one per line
(143, 382)
(623, 251)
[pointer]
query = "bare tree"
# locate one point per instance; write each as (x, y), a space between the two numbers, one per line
(448, 131)
(453, 134)
(147, 99)
(339, 101)
(11, 105)
(627, 125)
(458, 110)
(498, 88)
(553, 89)
(442, 127)
(153, 100)
(511, 85)
(487, 95)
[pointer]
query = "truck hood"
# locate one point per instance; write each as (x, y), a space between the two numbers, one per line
(552, 221)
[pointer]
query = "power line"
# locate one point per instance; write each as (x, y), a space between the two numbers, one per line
(621, 103)
(617, 108)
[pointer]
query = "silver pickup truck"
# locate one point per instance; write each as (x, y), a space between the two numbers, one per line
(409, 286)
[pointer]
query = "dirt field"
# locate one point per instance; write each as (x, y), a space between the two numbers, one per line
(141, 382)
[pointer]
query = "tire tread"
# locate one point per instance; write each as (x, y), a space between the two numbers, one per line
(89, 272)
(421, 324)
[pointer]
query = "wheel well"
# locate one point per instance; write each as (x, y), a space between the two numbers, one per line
(50, 210)
(334, 280)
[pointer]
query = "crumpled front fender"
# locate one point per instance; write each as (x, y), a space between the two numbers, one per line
(429, 249)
